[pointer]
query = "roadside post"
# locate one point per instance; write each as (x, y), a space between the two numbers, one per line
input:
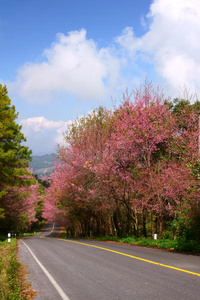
(9, 239)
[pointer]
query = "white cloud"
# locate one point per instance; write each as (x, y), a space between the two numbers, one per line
(43, 135)
(39, 123)
(75, 66)
(171, 44)
(174, 42)
(129, 42)
(72, 65)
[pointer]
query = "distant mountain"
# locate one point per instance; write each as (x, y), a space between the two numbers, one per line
(43, 164)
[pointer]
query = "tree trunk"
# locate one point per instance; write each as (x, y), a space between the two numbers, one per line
(136, 225)
(160, 226)
(143, 223)
(121, 227)
(152, 225)
(110, 231)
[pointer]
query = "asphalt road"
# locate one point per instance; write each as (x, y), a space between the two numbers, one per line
(94, 270)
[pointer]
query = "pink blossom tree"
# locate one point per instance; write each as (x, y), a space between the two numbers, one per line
(123, 169)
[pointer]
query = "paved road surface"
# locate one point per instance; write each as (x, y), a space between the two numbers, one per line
(95, 270)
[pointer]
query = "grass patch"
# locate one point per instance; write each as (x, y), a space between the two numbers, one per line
(168, 244)
(9, 266)
(162, 244)
(13, 285)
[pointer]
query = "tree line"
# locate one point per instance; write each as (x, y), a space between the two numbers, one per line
(133, 171)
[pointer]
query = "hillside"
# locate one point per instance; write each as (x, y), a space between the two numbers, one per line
(43, 164)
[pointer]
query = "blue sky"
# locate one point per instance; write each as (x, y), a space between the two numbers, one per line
(61, 59)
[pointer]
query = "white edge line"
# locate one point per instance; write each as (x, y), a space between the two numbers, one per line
(57, 287)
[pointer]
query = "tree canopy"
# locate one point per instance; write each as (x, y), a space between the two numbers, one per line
(17, 185)
(14, 157)
(133, 171)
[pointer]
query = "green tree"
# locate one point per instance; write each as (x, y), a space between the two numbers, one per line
(14, 157)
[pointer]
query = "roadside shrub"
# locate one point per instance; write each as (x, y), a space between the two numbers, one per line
(188, 245)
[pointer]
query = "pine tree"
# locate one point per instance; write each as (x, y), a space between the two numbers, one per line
(14, 157)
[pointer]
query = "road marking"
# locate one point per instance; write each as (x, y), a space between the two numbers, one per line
(131, 256)
(57, 287)
(49, 232)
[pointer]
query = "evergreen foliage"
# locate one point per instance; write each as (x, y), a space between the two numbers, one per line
(14, 158)
(18, 188)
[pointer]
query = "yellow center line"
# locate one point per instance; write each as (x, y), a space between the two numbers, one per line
(131, 256)
(43, 236)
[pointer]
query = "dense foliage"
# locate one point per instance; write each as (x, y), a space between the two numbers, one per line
(131, 172)
(18, 188)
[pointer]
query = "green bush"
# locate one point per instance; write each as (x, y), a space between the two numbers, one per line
(188, 245)
(167, 234)
(181, 244)
(2, 238)
(129, 240)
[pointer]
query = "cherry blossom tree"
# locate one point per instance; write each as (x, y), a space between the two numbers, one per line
(20, 204)
(123, 169)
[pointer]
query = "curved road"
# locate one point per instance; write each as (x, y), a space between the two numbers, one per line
(82, 269)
